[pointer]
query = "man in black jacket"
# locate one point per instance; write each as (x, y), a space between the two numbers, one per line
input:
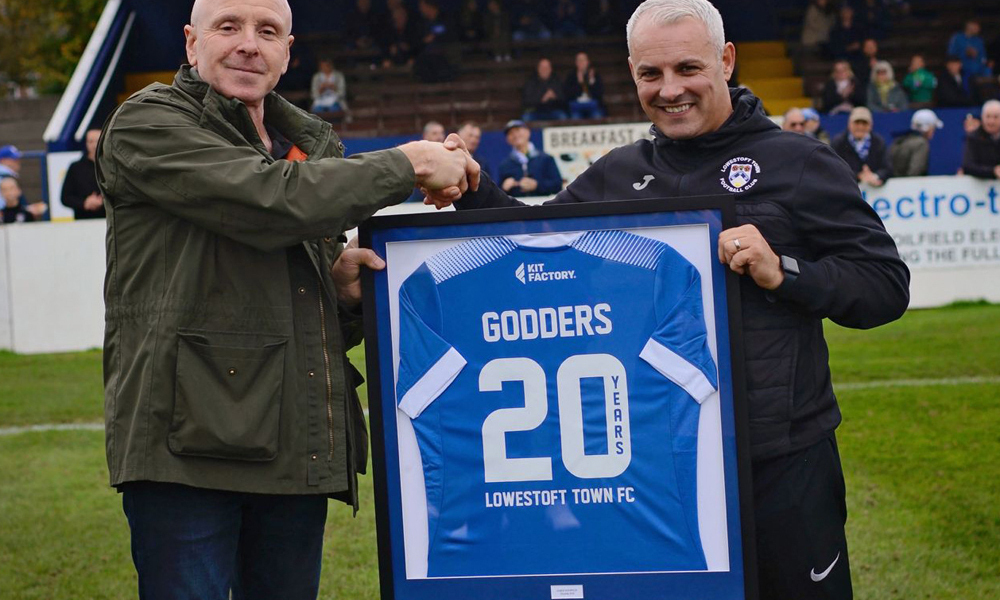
(80, 191)
(542, 95)
(951, 90)
(981, 157)
(864, 151)
(809, 248)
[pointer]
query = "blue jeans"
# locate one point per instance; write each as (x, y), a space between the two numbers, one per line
(196, 544)
(544, 115)
(585, 110)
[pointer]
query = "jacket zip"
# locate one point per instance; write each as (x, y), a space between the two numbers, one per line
(326, 367)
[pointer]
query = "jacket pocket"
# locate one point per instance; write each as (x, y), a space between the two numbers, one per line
(770, 372)
(227, 398)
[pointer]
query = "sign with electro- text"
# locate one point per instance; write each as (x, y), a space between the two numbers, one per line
(941, 222)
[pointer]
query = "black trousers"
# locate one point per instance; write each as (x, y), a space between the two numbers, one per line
(800, 511)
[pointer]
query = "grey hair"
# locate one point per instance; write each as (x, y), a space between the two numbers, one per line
(989, 104)
(884, 65)
(666, 12)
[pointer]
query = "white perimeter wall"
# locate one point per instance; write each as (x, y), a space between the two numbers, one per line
(52, 274)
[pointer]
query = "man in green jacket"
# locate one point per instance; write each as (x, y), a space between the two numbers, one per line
(230, 407)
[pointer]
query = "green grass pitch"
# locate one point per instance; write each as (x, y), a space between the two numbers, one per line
(920, 444)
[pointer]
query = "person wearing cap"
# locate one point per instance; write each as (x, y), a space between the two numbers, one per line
(527, 171)
(814, 128)
(10, 202)
(806, 247)
(864, 150)
(10, 167)
(981, 156)
(910, 153)
(10, 161)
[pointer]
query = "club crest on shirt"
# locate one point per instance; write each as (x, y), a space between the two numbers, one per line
(739, 174)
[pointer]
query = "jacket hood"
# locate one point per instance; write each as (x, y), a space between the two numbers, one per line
(748, 117)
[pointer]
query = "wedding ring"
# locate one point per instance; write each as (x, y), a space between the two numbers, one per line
(736, 243)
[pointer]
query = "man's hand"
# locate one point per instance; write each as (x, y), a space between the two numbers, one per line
(439, 167)
(444, 171)
(93, 202)
(508, 183)
(346, 272)
(746, 251)
(528, 184)
(445, 198)
(970, 124)
(996, 171)
(868, 176)
(37, 209)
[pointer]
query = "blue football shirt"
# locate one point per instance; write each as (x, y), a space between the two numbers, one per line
(554, 392)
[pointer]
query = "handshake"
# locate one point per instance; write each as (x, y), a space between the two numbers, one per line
(444, 171)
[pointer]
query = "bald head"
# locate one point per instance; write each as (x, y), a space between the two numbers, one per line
(240, 47)
(203, 8)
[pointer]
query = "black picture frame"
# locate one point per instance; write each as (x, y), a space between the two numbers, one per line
(717, 212)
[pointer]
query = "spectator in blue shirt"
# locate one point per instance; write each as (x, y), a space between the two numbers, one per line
(968, 46)
(527, 171)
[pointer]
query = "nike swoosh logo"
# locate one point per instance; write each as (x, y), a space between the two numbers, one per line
(821, 576)
(645, 181)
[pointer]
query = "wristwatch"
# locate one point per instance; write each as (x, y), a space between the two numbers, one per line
(791, 268)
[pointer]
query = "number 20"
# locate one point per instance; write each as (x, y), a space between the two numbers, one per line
(499, 468)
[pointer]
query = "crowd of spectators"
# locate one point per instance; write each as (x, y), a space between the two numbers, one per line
(426, 38)
(860, 76)
(401, 35)
(874, 161)
(579, 95)
(862, 83)
(422, 35)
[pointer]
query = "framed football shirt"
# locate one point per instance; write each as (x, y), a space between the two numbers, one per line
(553, 404)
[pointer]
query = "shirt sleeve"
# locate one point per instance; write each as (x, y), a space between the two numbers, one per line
(156, 151)
(428, 364)
(678, 347)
